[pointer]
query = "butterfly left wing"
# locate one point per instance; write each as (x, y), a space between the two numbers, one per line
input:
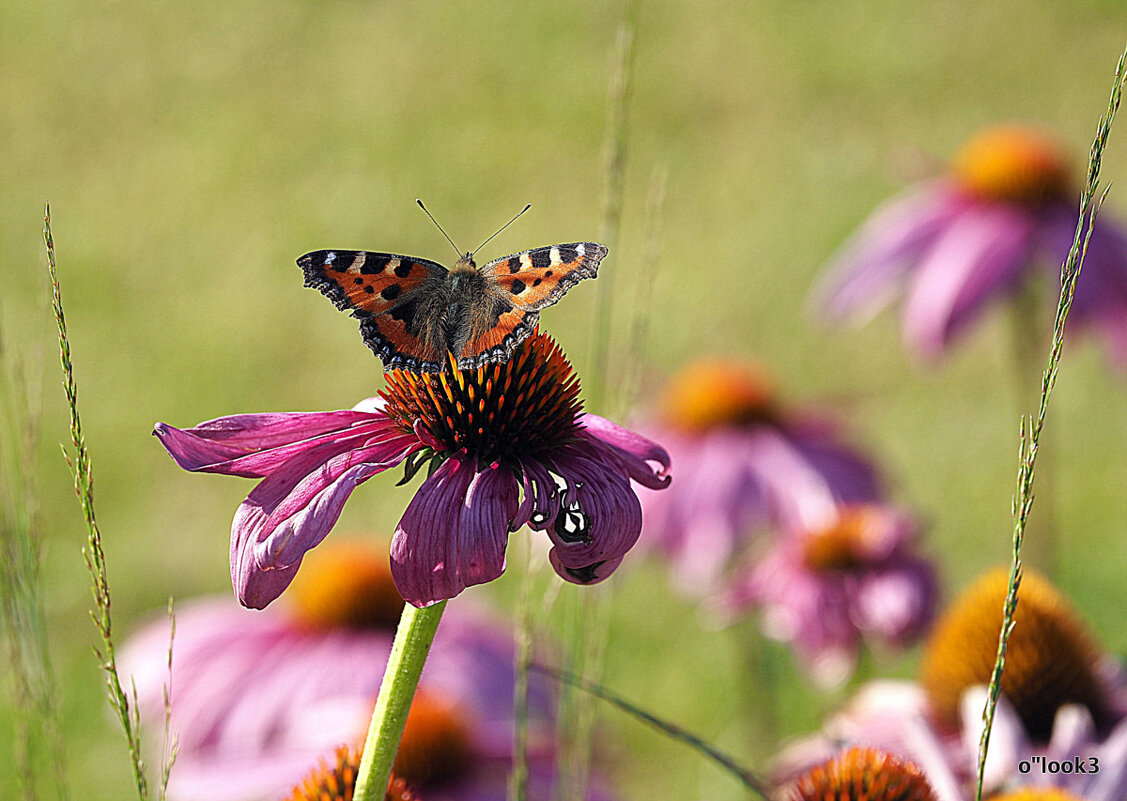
(383, 290)
(537, 278)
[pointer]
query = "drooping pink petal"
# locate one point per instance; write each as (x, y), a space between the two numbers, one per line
(715, 508)
(644, 460)
(252, 445)
(454, 532)
(864, 274)
(293, 509)
(598, 518)
(978, 256)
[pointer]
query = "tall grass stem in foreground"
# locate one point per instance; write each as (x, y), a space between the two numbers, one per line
(745, 776)
(79, 462)
(34, 693)
(638, 339)
(1029, 322)
(413, 639)
(1030, 432)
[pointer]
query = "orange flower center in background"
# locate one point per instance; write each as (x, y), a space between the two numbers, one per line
(524, 406)
(436, 742)
(1037, 794)
(336, 781)
(845, 544)
(1050, 661)
(346, 584)
(710, 394)
(863, 774)
(1013, 164)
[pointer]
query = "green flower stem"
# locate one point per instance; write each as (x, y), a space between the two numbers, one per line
(413, 639)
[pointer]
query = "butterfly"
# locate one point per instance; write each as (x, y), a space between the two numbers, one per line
(413, 311)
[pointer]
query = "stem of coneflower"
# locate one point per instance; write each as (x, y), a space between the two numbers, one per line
(413, 639)
(1031, 426)
(614, 168)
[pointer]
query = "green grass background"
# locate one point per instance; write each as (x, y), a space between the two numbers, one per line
(191, 151)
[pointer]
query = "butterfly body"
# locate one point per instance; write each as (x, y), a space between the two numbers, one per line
(413, 312)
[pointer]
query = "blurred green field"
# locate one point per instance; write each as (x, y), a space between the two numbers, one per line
(191, 151)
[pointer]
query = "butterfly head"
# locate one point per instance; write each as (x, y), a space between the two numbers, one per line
(465, 264)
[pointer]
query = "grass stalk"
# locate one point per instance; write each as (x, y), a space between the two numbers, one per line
(78, 460)
(34, 695)
(1091, 200)
(614, 170)
(522, 659)
(746, 777)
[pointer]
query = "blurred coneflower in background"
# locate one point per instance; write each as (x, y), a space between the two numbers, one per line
(746, 463)
(1062, 699)
(1004, 212)
(828, 590)
(262, 696)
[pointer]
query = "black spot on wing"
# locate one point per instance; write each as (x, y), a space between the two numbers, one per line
(374, 263)
(541, 258)
(514, 264)
(405, 312)
(568, 253)
(403, 269)
(517, 287)
(391, 292)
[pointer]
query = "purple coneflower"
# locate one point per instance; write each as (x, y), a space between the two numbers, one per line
(827, 590)
(1062, 699)
(488, 434)
(335, 780)
(746, 463)
(862, 774)
(1005, 209)
(259, 698)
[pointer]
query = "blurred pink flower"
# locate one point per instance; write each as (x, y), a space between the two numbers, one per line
(488, 433)
(258, 698)
(894, 716)
(827, 590)
(1062, 699)
(951, 246)
(745, 463)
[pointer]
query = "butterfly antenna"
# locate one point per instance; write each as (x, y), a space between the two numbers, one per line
(502, 228)
(439, 227)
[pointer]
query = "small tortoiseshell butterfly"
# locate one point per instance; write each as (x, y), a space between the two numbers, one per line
(413, 311)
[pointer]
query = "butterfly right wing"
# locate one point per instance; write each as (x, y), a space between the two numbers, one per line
(383, 291)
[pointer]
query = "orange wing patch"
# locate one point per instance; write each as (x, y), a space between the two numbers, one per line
(498, 343)
(360, 280)
(537, 278)
(391, 338)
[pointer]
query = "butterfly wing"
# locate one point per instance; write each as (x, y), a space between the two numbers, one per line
(382, 290)
(537, 278)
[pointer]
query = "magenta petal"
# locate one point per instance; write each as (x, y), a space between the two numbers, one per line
(252, 445)
(599, 517)
(864, 273)
(646, 462)
(454, 532)
(979, 255)
(293, 509)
